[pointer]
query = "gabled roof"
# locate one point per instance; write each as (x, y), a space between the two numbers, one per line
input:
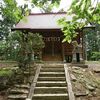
(40, 21)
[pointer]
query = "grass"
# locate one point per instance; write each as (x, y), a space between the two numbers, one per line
(6, 72)
(92, 62)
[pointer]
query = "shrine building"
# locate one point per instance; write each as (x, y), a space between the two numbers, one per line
(46, 24)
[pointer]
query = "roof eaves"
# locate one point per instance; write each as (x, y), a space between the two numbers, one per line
(47, 13)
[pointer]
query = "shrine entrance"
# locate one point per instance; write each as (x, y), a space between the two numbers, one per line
(53, 48)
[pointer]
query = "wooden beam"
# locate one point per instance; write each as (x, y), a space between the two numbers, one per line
(69, 85)
(63, 52)
(34, 83)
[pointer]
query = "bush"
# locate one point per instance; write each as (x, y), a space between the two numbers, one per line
(5, 72)
(5, 76)
(96, 56)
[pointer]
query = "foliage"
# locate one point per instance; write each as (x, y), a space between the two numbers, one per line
(37, 41)
(83, 13)
(96, 56)
(92, 40)
(29, 43)
(5, 77)
(23, 46)
(11, 13)
(18, 44)
(68, 28)
(84, 10)
(46, 5)
(5, 72)
(2, 49)
(9, 48)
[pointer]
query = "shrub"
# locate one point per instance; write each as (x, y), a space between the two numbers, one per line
(96, 56)
(5, 76)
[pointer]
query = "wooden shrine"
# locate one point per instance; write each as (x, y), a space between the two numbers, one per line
(46, 25)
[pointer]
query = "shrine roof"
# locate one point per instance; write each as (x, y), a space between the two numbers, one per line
(40, 21)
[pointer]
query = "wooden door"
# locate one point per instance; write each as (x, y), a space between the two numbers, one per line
(52, 51)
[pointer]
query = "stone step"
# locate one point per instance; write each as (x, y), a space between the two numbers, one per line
(51, 83)
(52, 69)
(17, 97)
(50, 90)
(18, 91)
(22, 86)
(52, 74)
(51, 79)
(49, 66)
(50, 96)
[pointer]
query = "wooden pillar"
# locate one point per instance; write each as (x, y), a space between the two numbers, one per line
(40, 54)
(52, 48)
(63, 52)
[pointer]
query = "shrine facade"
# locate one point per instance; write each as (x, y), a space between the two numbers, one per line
(46, 25)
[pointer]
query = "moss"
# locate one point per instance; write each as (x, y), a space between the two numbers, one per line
(5, 72)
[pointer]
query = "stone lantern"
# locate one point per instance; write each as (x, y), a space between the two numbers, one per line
(77, 53)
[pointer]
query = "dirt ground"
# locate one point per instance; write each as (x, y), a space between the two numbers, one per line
(3, 96)
(86, 82)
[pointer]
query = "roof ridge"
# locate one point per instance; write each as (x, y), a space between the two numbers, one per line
(47, 13)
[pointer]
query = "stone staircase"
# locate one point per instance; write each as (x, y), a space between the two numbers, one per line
(51, 83)
(19, 92)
